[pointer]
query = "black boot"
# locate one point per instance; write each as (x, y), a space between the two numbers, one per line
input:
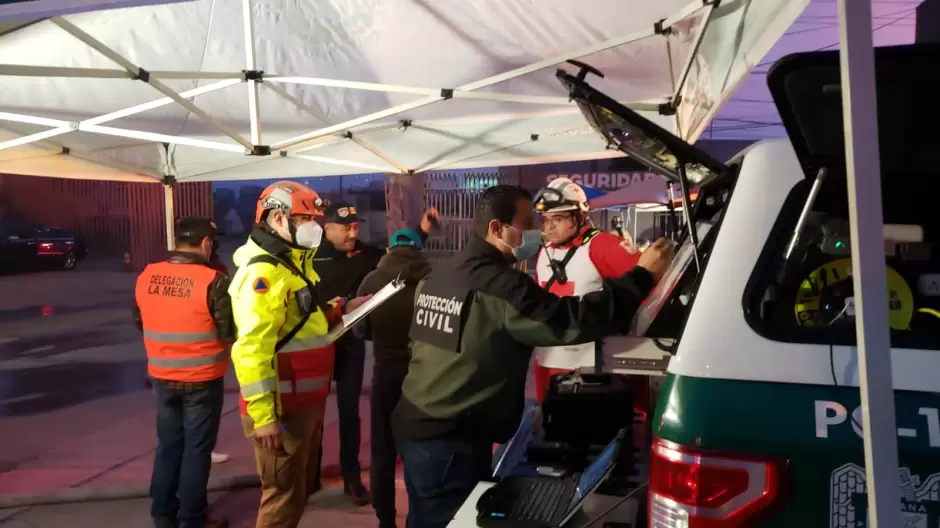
(357, 492)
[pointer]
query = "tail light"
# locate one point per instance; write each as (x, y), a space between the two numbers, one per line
(689, 489)
(45, 245)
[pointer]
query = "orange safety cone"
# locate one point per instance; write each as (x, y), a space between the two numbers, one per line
(127, 262)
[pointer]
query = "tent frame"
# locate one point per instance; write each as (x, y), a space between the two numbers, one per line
(863, 164)
(255, 79)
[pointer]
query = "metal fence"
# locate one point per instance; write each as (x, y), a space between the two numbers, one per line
(455, 195)
(111, 217)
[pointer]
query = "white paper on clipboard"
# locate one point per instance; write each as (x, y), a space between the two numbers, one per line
(360, 313)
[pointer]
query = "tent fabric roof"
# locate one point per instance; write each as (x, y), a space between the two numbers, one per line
(357, 86)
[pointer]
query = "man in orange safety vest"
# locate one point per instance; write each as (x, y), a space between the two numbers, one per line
(184, 311)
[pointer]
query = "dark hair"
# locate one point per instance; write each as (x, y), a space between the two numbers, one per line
(498, 203)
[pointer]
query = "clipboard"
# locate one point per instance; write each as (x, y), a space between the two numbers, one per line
(378, 299)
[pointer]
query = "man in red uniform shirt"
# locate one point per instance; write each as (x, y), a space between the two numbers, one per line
(573, 262)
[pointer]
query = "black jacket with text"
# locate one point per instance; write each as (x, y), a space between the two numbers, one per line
(475, 323)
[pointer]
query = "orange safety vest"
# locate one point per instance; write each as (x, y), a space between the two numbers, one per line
(180, 335)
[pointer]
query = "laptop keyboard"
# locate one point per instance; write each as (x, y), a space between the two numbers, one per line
(540, 498)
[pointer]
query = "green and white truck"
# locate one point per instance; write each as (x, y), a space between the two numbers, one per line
(752, 332)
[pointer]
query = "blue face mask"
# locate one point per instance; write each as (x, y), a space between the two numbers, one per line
(531, 241)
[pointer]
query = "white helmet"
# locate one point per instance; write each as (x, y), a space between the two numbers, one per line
(561, 195)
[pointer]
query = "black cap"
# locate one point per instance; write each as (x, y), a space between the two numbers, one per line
(193, 229)
(340, 213)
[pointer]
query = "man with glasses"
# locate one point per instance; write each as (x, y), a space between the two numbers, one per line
(575, 259)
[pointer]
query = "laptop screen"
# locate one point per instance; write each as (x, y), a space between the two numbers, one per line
(592, 476)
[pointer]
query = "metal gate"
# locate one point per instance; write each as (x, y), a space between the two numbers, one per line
(455, 195)
(111, 217)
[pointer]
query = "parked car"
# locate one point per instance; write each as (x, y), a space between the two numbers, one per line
(28, 245)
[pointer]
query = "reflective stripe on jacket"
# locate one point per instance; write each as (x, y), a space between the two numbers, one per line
(265, 308)
(180, 335)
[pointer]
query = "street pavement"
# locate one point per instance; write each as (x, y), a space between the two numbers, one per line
(77, 420)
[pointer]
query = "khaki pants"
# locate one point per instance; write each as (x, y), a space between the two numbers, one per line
(287, 474)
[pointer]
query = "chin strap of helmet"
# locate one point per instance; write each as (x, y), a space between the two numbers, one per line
(291, 229)
(581, 223)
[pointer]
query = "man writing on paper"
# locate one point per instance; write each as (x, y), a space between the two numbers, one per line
(387, 328)
(282, 355)
(575, 260)
(476, 321)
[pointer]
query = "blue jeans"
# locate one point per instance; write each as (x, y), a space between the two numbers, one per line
(439, 476)
(188, 416)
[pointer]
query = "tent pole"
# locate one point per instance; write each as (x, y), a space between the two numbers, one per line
(157, 103)
(368, 118)
(64, 127)
(254, 109)
(392, 88)
(859, 107)
(22, 70)
(33, 138)
(355, 138)
(334, 161)
(162, 138)
(144, 75)
(170, 218)
(690, 60)
(444, 162)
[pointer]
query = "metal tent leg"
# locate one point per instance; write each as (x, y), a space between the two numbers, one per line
(871, 302)
(170, 217)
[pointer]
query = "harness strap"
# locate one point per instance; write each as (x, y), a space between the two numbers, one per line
(560, 265)
(275, 260)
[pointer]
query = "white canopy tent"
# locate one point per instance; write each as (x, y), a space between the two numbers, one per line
(404, 85)
(336, 87)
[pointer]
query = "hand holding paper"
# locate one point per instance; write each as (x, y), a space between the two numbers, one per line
(357, 309)
(356, 303)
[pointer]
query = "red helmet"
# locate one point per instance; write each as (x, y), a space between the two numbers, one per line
(291, 198)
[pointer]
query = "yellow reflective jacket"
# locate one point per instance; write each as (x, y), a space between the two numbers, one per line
(265, 308)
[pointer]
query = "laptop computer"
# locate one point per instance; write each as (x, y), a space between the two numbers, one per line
(544, 501)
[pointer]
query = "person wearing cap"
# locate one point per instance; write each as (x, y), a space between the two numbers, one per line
(387, 328)
(215, 262)
(184, 311)
(342, 264)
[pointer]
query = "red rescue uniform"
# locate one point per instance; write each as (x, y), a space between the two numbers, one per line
(597, 256)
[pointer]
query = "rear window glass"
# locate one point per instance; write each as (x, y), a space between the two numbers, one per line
(809, 296)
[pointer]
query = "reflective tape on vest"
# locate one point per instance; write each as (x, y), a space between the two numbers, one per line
(304, 385)
(259, 387)
(180, 337)
(304, 344)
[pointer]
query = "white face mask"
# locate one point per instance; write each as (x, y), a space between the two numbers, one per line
(308, 235)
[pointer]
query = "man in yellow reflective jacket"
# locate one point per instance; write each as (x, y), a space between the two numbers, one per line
(282, 356)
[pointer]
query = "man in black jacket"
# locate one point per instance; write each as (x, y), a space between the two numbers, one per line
(387, 328)
(476, 321)
(342, 264)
